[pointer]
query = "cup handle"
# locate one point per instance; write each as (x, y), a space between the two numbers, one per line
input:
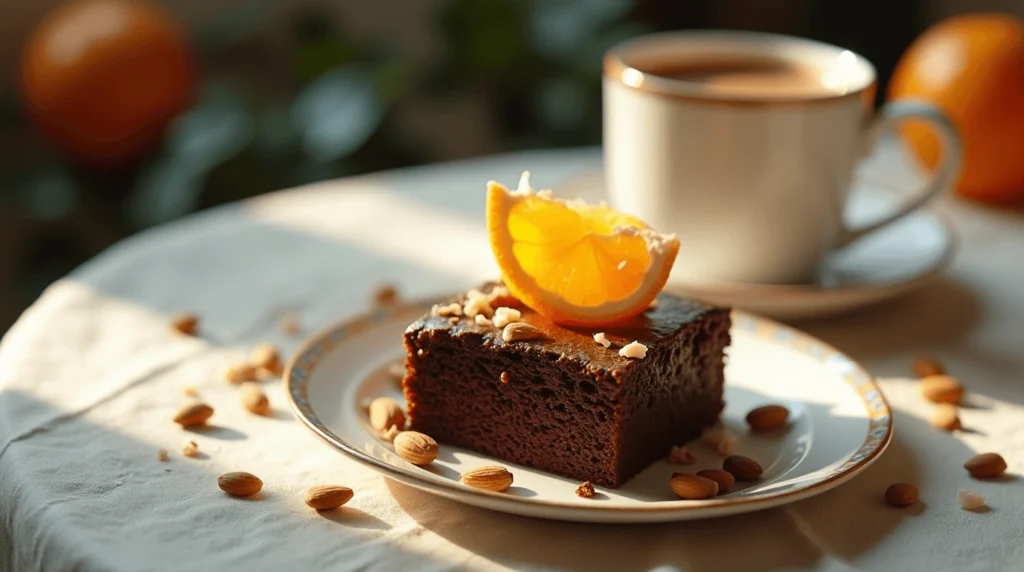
(949, 166)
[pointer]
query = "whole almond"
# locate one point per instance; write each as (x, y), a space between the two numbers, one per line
(517, 331)
(193, 414)
(945, 417)
(925, 366)
(488, 478)
(186, 324)
(767, 418)
(743, 468)
(724, 479)
(385, 412)
(693, 487)
(415, 447)
(253, 398)
(986, 466)
(266, 357)
(901, 494)
(240, 373)
(240, 484)
(942, 389)
(328, 497)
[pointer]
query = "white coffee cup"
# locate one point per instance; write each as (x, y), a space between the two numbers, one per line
(753, 181)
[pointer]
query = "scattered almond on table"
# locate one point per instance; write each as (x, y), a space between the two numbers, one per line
(328, 497)
(585, 490)
(945, 417)
(193, 414)
(253, 398)
(969, 500)
(240, 373)
(240, 484)
(942, 389)
(925, 366)
(266, 360)
(385, 413)
(743, 468)
(190, 449)
(489, 478)
(186, 324)
(901, 494)
(162, 456)
(724, 479)
(986, 466)
(692, 487)
(416, 447)
(385, 295)
(767, 418)
(190, 391)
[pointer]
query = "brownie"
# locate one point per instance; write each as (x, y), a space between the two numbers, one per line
(562, 402)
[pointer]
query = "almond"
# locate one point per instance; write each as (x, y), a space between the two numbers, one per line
(190, 449)
(942, 389)
(585, 490)
(266, 357)
(240, 484)
(517, 331)
(925, 366)
(489, 478)
(692, 487)
(186, 324)
(986, 466)
(328, 497)
(743, 468)
(253, 398)
(193, 414)
(767, 418)
(945, 417)
(162, 455)
(240, 373)
(901, 494)
(385, 412)
(415, 447)
(724, 479)
(385, 295)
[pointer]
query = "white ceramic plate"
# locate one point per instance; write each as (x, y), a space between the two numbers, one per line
(894, 261)
(840, 423)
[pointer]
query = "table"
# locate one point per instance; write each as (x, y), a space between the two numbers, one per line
(91, 377)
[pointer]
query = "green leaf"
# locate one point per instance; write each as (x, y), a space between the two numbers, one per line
(337, 113)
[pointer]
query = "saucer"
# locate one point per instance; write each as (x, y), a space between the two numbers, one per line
(839, 423)
(886, 264)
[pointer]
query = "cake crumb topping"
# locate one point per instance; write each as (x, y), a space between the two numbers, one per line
(585, 490)
(447, 310)
(681, 456)
(602, 339)
(634, 350)
(504, 316)
(476, 304)
(482, 320)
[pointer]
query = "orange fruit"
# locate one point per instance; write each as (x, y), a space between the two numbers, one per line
(102, 78)
(575, 263)
(971, 67)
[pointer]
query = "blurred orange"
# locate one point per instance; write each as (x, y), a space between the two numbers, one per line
(102, 78)
(972, 67)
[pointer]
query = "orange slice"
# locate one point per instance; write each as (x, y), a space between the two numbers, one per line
(574, 263)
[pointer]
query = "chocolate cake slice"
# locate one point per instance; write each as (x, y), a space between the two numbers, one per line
(562, 402)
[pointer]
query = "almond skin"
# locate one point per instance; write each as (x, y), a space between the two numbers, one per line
(925, 366)
(724, 479)
(489, 478)
(901, 494)
(253, 398)
(240, 484)
(328, 497)
(743, 468)
(415, 447)
(193, 414)
(767, 418)
(385, 412)
(942, 389)
(945, 417)
(986, 466)
(693, 487)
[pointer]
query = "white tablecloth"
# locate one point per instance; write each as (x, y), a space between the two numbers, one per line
(91, 378)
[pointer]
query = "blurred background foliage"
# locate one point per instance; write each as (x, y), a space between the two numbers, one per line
(322, 102)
